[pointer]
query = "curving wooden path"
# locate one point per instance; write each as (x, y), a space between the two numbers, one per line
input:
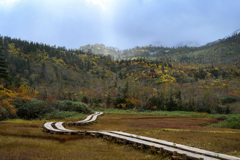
(59, 127)
(177, 151)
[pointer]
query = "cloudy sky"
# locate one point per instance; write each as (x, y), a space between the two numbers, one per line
(119, 23)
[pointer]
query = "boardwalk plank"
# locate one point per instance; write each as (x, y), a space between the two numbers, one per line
(166, 148)
(187, 148)
(49, 127)
(60, 127)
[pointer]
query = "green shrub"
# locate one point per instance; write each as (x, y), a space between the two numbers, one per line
(3, 113)
(228, 100)
(33, 109)
(232, 122)
(66, 105)
(63, 115)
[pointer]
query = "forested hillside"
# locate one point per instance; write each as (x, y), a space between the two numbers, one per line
(203, 79)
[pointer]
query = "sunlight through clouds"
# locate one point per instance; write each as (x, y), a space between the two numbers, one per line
(119, 23)
(7, 4)
(101, 3)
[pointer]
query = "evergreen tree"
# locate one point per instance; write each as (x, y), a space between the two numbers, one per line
(3, 65)
(109, 100)
(43, 70)
(125, 90)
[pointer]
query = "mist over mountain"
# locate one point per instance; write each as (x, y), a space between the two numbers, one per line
(186, 49)
(219, 40)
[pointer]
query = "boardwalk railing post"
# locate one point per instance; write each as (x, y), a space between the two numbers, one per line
(184, 157)
(125, 141)
(134, 145)
(175, 155)
(160, 151)
(153, 149)
(142, 147)
(96, 135)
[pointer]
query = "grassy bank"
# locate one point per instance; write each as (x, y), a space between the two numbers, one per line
(167, 113)
(232, 120)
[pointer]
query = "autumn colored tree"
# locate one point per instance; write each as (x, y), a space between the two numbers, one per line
(7, 109)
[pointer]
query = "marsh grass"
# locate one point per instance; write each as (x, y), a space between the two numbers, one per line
(192, 131)
(228, 120)
(87, 149)
(23, 139)
(64, 115)
(31, 131)
(167, 113)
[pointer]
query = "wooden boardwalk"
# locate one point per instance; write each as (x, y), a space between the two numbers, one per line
(177, 151)
(138, 143)
(183, 147)
(58, 127)
(89, 120)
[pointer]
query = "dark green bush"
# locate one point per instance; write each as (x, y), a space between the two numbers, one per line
(85, 99)
(157, 101)
(66, 105)
(60, 115)
(3, 113)
(33, 109)
(222, 109)
(228, 100)
(233, 122)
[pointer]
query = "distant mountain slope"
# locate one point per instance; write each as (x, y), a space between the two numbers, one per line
(219, 40)
(101, 49)
(220, 51)
(224, 50)
(213, 42)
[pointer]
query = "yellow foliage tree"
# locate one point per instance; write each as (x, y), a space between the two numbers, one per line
(6, 97)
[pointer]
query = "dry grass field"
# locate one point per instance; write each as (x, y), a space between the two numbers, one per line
(24, 140)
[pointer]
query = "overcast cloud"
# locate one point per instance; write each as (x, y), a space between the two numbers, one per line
(119, 23)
